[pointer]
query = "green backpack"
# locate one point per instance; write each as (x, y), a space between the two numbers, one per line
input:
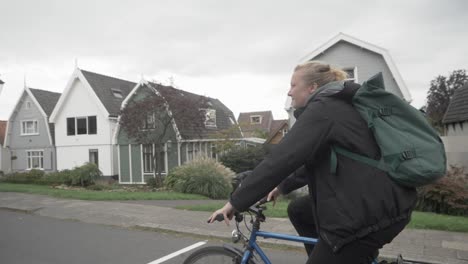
(412, 152)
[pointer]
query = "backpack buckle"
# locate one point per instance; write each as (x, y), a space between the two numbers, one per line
(408, 154)
(385, 111)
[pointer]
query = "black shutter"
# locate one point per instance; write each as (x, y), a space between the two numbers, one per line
(71, 126)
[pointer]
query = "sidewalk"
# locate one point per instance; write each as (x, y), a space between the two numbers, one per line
(421, 245)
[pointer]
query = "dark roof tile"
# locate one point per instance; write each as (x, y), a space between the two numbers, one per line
(46, 99)
(103, 86)
(457, 110)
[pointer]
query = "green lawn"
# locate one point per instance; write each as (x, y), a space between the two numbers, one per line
(96, 195)
(419, 220)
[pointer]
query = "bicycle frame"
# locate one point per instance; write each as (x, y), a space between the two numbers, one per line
(253, 243)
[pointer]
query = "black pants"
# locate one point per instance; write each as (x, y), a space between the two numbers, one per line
(361, 251)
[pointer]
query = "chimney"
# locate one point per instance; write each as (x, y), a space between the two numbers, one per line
(1, 86)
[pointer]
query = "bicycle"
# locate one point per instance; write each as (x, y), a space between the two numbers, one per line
(248, 254)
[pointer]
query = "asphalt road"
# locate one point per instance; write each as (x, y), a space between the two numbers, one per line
(26, 238)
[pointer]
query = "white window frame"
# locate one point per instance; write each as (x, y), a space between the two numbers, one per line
(76, 125)
(210, 117)
(354, 69)
(254, 116)
(144, 161)
(24, 133)
(30, 157)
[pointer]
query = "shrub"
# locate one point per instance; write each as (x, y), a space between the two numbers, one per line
(57, 178)
(241, 159)
(153, 182)
(449, 195)
(201, 176)
(33, 176)
(85, 175)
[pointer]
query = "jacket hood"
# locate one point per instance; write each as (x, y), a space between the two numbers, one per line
(328, 89)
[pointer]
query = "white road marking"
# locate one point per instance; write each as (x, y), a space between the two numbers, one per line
(175, 254)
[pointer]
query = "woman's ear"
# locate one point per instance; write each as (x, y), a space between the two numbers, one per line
(313, 87)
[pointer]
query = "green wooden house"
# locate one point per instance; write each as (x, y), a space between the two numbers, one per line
(182, 142)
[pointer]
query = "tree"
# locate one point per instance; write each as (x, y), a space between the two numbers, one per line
(440, 93)
(151, 115)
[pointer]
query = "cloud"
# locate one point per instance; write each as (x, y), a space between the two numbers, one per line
(243, 47)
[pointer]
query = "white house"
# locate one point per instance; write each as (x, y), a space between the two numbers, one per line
(85, 119)
(361, 60)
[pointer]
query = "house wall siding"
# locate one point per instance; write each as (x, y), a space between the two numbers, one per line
(124, 157)
(74, 150)
(5, 160)
(19, 144)
(456, 148)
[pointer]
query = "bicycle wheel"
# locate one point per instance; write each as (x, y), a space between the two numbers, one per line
(213, 255)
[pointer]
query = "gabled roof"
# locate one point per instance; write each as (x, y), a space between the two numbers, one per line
(385, 54)
(186, 131)
(46, 99)
(3, 125)
(457, 111)
(224, 116)
(276, 127)
(103, 86)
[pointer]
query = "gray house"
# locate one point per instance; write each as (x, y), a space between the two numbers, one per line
(361, 60)
(456, 127)
(29, 135)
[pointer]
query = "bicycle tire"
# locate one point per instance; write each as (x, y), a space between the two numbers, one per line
(213, 254)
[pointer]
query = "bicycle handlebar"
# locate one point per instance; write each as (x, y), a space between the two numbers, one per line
(254, 209)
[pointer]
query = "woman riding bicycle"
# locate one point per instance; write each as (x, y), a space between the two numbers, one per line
(354, 211)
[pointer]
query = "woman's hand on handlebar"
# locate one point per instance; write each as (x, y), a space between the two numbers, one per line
(273, 195)
(227, 211)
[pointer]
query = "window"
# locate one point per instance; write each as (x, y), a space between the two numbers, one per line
(35, 159)
(148, 164)
(210, 117)
(352, 74)
(284, 131)
(213, 151)
(70, 126)
(189, 151)
(255, 119)
(92, 125)
(117, 93)
(81, 125)
(149, 122)
(28, 105)
(29, 127)
(94, 156)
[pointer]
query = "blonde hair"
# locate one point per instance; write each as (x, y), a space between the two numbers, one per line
(320, 73)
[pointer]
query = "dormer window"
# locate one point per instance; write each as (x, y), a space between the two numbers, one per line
(149, 122)
(210, 117)
(255, 119)
(117, 93)
(352, 74)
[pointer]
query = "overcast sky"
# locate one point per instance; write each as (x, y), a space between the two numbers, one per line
(241, 52)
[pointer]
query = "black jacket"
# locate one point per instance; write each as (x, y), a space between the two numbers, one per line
(348, 205)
